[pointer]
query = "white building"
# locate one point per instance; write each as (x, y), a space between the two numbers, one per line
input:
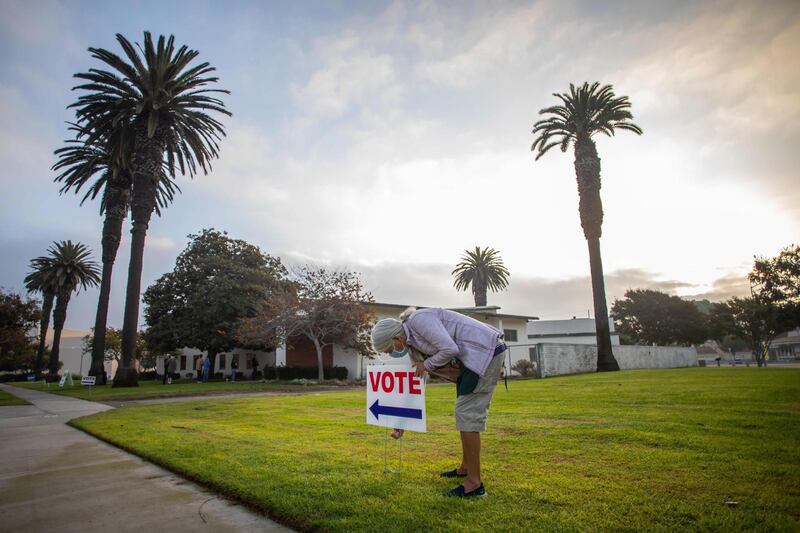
(71, 353)
(303, 354)
(575, 331)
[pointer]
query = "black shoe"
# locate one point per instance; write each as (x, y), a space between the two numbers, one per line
(459, 492)
(452, 473)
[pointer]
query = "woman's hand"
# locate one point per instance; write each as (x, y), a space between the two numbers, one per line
(419, 369)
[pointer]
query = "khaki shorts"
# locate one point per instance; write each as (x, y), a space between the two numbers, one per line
(472, 409)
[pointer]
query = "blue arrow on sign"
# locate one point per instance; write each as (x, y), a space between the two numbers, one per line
(402, 412)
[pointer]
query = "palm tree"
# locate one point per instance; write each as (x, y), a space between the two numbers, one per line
(36, 281)
(162, 103)
(587, 110)
(78, 164)
(480, 269)
(67, 268)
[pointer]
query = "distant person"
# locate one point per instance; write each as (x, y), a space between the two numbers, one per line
(206, 368)
(234, 366)
(166, 372)
(441, 334)
(719, 360)
(172, 368)
(198, 366)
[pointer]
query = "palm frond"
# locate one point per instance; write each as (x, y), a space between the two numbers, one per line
(584, 111)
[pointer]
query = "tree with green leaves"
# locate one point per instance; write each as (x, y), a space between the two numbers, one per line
(18, 317)
(480, 269)
(648, 317)
(585, 111)
(753, 319)
(777, 281)
(37, 282)
(772, 308)
(216, 282)
(94, 166)
(163, 102)
(324, 306)
(67, 267)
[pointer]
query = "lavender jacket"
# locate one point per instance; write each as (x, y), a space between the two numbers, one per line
(442, 334)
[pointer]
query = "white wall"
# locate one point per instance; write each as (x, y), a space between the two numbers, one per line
(77, 362)
(349, 359)
(562, 359)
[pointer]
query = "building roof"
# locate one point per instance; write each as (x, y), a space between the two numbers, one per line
(487, 311)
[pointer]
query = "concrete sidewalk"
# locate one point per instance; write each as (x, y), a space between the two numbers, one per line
(56, 478)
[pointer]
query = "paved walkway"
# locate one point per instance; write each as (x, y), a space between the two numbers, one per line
(223, 396)
(56, 478)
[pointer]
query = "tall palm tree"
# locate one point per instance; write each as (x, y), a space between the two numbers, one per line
(36, 281)
(163, 104)
(480, 269)
(79, 163)
(587, 110)
(67, 268)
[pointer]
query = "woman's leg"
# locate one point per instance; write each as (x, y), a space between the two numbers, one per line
(471, 447)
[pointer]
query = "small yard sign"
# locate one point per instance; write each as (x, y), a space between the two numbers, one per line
(395, 397)
(88, 380)
(66, 379)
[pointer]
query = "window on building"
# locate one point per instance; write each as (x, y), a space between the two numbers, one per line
(510, 335)
(249, 358)
(532, 354)
(221, 361)
(183, 362)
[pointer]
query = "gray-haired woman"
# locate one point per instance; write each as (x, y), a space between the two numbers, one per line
(441, 334)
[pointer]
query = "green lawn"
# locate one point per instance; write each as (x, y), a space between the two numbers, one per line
(10, 399)
(155, 389)
(657, 450)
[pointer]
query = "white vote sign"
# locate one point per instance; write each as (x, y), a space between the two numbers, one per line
(88, 380)
(395, 397)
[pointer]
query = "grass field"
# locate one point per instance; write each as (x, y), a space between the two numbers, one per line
(155, 389)
(10, 399)
(656, 450)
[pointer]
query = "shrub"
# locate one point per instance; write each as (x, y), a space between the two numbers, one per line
(13, 377)
(150, 375)
(524, 368)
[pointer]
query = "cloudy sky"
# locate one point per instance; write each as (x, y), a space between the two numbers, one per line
(389, 137)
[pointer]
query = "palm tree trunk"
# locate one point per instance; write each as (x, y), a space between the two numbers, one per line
(44, 324)
(605, 355)
(147, 163)
(116, 208)
(587, 172)
(479, 292)
(320, 363)
(59, 318)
